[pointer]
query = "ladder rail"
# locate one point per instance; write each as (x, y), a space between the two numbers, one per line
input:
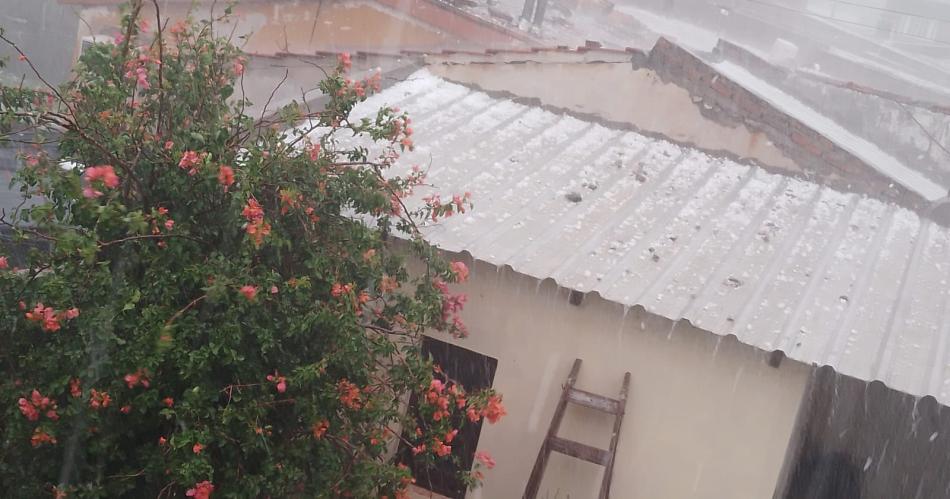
(534, 482)
(553, 443)
(614, 439)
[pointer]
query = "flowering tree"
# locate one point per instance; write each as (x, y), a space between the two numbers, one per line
(208, 312)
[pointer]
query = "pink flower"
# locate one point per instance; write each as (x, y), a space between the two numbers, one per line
(28, 410)
(345, 62)
(493, 410)
(125, 409)
(450, 436)
(37, 403)
(72, 313)
(280, 382)
(46, 316)
(226, 176)
(388, 284)
(99, 400)
(168, 401)
(139, 377)
(339, 290)
(40, 437)
(4, 264)
(441, 449)
(197, 448)
(274, 290)
(249, 292)
(252, 210)
(320, 428)
(141, 78)
(162, 440)
(201, 490)
(256, 227)
(169, 224)
(89, 192)
(104, 174)
(460, 270)
(75, 388)
(349, 394)
(189, 161)
(485, 459)
(169, 144)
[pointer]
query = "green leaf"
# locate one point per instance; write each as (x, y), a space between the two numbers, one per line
(133, 300)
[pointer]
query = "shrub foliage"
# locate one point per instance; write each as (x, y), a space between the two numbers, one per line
(215, 307)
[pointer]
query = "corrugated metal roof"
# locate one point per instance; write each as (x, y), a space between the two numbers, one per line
(829, 278)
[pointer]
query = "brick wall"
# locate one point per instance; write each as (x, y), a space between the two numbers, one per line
(725, 101)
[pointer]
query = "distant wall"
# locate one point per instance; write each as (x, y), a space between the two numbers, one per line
(726, 101)
(673, 93)
(707, 418)
(913, 131)
(46, 31)
(637, 97)
(306, 27)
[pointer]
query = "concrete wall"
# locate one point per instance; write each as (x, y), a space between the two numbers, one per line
(706, 416)
(728, 101)
(296, 27)
(673, 93)
(639, 98)
(46, 32)
(305, 27)
(910, 130)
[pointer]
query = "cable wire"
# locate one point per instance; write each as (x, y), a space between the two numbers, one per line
(834, 19)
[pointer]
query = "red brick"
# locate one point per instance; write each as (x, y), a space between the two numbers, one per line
(837, 157)
(811, 142)
(722, 86)
(750, 104)
(853, 166)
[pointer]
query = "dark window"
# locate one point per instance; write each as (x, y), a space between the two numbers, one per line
(474, 371)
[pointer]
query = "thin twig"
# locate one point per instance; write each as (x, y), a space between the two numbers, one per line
(273, 92)
(161, 65)
(105, 244)
(187, 307)
(325, 74)
(36, 72)
(933, 139)
(313, 29)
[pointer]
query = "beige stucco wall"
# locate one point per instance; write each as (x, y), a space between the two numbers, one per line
(296, 27)
(637, 97)
(706, 418)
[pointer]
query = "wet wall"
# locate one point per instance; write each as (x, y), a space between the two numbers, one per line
(863, 440)
(47, 32)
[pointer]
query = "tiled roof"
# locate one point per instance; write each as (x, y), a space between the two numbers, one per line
(827, 277)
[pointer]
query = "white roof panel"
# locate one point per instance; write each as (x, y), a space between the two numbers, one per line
(829, 278)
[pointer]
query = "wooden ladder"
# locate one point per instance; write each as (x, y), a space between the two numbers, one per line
(554, 443)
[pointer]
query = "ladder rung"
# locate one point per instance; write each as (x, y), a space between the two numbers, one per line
(594, 401)
(579, 450)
